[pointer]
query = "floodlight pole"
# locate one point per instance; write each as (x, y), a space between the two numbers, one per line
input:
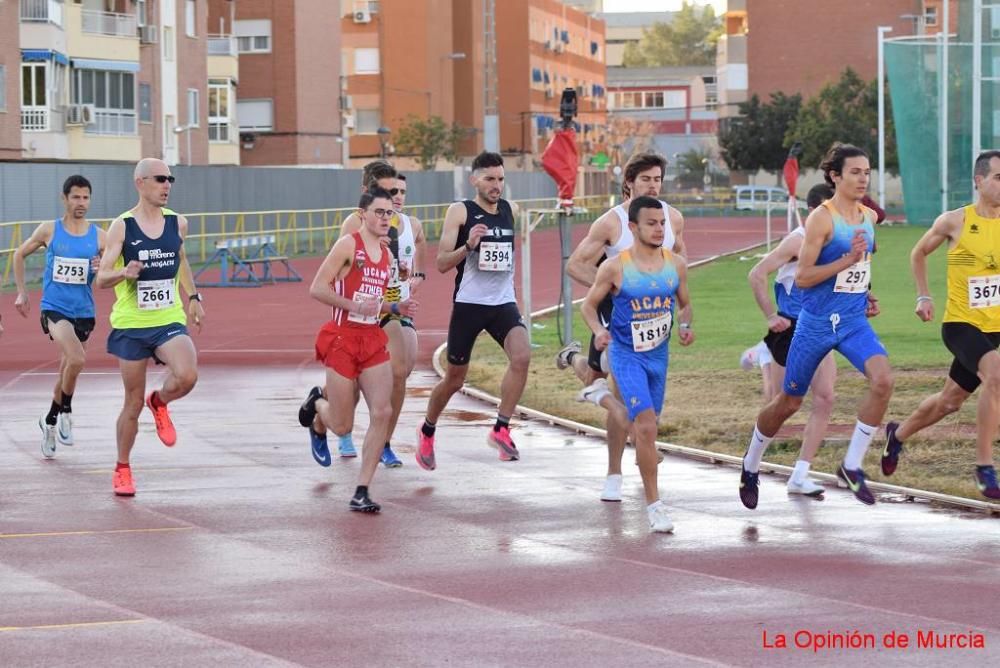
(881, 31)
(945, 76)
(977, 77)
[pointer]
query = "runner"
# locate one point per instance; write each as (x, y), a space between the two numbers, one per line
(353, 280)
(72, 253)
(145, 263)
(834, 273)
(477, 239)
(971, 327)
(643, 282)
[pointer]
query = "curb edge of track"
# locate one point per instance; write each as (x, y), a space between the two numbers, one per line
(909, 493)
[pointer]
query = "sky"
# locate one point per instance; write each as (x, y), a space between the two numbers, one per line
(656, 5)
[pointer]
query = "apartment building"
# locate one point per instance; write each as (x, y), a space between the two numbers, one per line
(10, 72)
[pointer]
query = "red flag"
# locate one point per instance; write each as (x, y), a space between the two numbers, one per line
(791, 172)
(560, 160)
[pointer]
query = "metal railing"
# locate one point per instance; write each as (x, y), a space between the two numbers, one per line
(113, 123)
(219, 132)
(42, 11)
(109, 23)
(221, 45)
(34, 119)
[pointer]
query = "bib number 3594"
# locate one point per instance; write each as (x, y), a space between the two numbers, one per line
(855, 278)
(155, 295)
(496, 256)
(650, 334)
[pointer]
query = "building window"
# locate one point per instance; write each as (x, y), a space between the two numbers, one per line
(253, 36)
(193, 101)
(168, 44)
(140, 13)
(145, 103)
(219, 94)
(33, 91)
(3, 88)
(366, 61)
(169, 136)
(367, 122)
(190, 13)
(931, 16)
(255, 115)
(113, 96)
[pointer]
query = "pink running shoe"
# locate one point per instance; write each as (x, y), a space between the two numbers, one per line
(500, 439)
(425, 451)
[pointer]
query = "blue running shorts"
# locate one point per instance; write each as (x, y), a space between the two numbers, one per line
(815, 336)
(641, 377)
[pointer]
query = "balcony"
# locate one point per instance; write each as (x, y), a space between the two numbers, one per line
(223, 57)
(42, 11)
(108, 23)
(41, 119)
(113, 123)
(221, 45)
(101, 35)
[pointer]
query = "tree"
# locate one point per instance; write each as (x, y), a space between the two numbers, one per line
(689, 39)
(843, 111)
(756, 138)
(429, 139)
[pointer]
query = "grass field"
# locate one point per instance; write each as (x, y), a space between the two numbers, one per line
(712, 404)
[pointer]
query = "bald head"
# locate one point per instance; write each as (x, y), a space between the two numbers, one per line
(150, 167)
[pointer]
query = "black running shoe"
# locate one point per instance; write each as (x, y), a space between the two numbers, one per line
(893, 448)
(749, 483)
(986, 481)
(855, 480)
(363, 504)
(307, 411)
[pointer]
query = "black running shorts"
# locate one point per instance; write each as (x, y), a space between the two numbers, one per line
(604, 313)
(468, 320)
(779, 342)
(968, 344)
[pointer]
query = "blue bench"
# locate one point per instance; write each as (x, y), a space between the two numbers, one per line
(251, 267)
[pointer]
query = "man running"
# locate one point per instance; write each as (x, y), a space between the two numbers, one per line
(353, 280)
(643, 282)
(608, 236)
(781, 319)
(72, 252)
(477, 239)
(971, 326)
(834, 273)
(145, 263)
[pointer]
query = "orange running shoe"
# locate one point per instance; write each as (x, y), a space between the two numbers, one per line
(164, 427)
(122, 482)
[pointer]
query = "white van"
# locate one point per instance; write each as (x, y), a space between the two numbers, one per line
(756, 197)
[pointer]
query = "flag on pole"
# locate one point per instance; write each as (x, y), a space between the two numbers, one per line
(560, 161)
(791, 173)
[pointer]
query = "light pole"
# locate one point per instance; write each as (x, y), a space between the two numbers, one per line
(186, 128)
(456, 55)
(383, 140)
(881, 31)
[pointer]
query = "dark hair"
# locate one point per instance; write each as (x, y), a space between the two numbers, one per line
(640, 203)
(487, 159)
(376, 170)
(818, 194)
(982, 167)
(640, 163)
(76, 181)
(833, 163)
(401, 177)
(372, 194)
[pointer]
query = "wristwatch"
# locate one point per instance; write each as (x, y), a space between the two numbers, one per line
(195, 297)
(418, 274)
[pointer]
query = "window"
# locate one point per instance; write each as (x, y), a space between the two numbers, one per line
(145, 103)
(931, 16)
(169, 136)
(255, 115)
(168, 43)
(218, 110)
(113, 96)
(140, 13)
(367, 121)
(253, 36)
(190, 12)
(366, 61)
(3, 88)
(193, 101)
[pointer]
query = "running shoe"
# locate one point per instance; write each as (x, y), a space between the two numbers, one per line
(164, 426)
(500, 439)
(307, 411)
(122, 482)
(64, 428)
(659, 520)
(389, 458)
(855, 481)
(48, 438)
(363, 504)
(806, 487)
(892, 450)
(562, 357)
(345, 445)
(986, 481)
(749, 484)
(425, 451)
(594, 392)
(748, 360)
(320, 447)
(612, 488)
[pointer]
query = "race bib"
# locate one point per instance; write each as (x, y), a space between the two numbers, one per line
(155, 295)
(71, 270)
(855, 278)
(496, 256)
(984, 291)
(363, 298)
(650, 334)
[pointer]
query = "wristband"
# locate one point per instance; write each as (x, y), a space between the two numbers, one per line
(685, 325)
(924, 298)
(773, 315)
(394, 308)
(468, 248)
(418, 274)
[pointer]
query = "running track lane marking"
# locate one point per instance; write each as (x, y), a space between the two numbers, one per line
(74, 625)
(96, 532)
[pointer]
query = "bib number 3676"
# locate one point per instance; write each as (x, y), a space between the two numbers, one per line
(155, 295)
(984, 291)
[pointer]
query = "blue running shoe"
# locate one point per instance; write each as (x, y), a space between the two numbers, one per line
(346, 446)
(749, 484)
(320, 449)
(855, 481)
(986, 481)
(389, 458)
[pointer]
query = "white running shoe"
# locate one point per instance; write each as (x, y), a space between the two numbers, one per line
(659, 521)
(612, 488)
(562, 357)
(594, 392)
(806, 487)
(48, 438)
(64, 428)
(748, 360)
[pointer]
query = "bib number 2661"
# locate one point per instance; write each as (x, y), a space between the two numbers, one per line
(155, 295)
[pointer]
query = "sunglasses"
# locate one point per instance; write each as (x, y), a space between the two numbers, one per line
(383, 213)
(162, 178)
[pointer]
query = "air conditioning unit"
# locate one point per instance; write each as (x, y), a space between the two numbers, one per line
(362, 16)
(349, 121)
(80, 114)
(148, 34)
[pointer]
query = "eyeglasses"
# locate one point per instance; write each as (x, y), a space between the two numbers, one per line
(383, 213)
(394, 191)
(162, 178)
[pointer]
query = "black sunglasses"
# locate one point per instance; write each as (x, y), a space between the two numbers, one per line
(162, 178)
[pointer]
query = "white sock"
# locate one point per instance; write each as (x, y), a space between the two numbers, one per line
(801, 471)
(653, 506)
(860, 441)
(755, 450)
(597, 396)
(612, 476)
